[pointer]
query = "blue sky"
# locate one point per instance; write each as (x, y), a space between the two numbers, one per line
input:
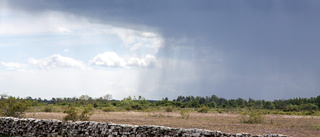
(266, 49)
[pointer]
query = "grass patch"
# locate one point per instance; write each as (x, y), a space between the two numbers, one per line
(169, 109)
(316, 126)
(185, 113)
(252, 117)
(159, 115)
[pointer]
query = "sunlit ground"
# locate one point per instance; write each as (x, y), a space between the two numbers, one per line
(301, 126)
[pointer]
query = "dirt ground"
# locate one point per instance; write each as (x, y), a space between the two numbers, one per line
(298, 126)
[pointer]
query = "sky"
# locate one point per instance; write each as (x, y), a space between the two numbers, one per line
(260, 49)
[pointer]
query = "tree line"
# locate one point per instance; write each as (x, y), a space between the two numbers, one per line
(212, 102)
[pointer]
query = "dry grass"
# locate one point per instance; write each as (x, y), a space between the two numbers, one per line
(300, 126)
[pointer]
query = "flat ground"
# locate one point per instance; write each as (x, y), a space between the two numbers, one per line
(298, 126)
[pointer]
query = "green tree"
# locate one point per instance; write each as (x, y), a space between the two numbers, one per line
(251, 102)
(222, 102)
(269, 105)
(291, 107)
(280, 104)
(317, 101)
(127, 103)
(233, 103)
(212, 104)
(241, 102)
(258, 104)
(309, 107)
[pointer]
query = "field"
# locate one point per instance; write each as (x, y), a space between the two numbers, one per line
(299, 126)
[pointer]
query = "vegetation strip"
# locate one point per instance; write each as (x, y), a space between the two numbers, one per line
(296, 106)
(252, 112)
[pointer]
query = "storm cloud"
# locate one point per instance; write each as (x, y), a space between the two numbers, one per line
(266, 49)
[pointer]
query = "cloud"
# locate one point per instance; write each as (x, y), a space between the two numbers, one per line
(57, 61)
(69, 83)
(19, 23)
(108, 59)
(15, 66)
(149, 61)
(111, 59)
(139, 40)
(72, 26)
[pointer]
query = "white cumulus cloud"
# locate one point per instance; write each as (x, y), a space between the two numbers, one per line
(108, 59)
(149, 61)
(14, 66)
(111, 59)
(57, 61)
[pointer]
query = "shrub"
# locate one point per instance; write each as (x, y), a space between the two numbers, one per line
(109, 109)
(13, 107)
(185, 114)
(128, 107)
(169, 109)
(48, 109)
(312, 112)
(71, 114)
(148, 110)
(252, 117)
(137, 106)
(86, 113)
(203, 110)
(74, 116)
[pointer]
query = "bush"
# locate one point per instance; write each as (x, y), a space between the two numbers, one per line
(252, 117)
(71, 114)
(109, 109)
(138, 106)
(128, 107)
(312, 112)
(13, 107)
(48, 109)
(203, 110)
(74, 116)
(185, 114)
(169, 109)
(85, 114)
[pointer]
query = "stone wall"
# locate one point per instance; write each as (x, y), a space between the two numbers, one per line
(43, 127)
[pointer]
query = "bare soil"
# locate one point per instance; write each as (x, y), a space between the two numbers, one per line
(298, 126)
